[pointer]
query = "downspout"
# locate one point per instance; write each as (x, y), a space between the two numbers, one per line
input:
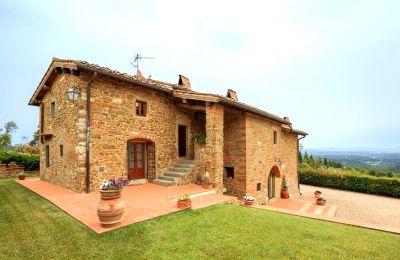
(88, 131)
(298, 163)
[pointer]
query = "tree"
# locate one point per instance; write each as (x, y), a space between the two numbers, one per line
(300, 157)
(6, 135)
(35, 139)
(325, 162)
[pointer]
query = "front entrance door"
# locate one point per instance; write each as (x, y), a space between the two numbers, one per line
(136, 159)
(271, 184)
(182, 140)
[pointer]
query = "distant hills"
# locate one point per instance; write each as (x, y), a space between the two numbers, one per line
(363, 159)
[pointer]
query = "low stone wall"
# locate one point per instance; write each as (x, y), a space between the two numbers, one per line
(8, 171)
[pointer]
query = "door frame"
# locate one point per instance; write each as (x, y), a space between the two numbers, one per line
(271, 186)
(144, 157)
(186, 140)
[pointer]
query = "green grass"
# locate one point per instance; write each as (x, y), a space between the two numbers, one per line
(31, 227)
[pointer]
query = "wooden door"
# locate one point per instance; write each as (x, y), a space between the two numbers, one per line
(136, 160)
(271, 184)
(182, 140)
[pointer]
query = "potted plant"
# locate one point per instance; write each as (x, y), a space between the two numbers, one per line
(21, 175)
(321, 201)
(248, 200)
(317, 194)
(111, 207)
(199, 179)
(207, 184)
(284, 190)
(184, 202)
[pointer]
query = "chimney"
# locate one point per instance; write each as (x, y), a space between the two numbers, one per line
(287, 119)
(139, 74)
(184, 82)
(231, 94)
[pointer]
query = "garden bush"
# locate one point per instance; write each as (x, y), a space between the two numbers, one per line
(354, 182)
(29, 161)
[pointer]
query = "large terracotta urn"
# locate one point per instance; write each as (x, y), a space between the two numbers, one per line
(111, 207)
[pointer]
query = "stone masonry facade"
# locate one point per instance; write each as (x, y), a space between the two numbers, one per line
(236, 140)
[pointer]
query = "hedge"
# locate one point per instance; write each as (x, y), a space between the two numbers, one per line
(362, 183)
(29, 161)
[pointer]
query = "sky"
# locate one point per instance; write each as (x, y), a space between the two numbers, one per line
(332, 67)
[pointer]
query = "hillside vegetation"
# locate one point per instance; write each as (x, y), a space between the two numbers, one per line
(325, 173)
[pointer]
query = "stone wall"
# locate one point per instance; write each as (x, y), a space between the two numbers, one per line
(114, 122)
(262, 155)
(68, 129)
(215, 144)
(235, 152)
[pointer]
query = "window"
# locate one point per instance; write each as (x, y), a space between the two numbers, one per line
(229, 172)
(259, 186)
(61, 150)
(53, 108)
(47, 156)
(141, 108)
(275, 137)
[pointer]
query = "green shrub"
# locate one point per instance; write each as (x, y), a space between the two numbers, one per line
(354, 182)
(29, 161)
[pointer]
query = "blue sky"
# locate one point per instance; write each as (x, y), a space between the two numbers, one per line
(333, 67)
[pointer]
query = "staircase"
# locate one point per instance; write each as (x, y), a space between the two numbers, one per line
(174, 175)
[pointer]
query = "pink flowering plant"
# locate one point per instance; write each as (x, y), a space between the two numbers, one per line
(113, 184)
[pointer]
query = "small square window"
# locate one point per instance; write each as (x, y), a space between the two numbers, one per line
(259, 186)
(230, 172)
(47, 156)
(61, 150)
(275, 137)
(53, 109)
(141, 108)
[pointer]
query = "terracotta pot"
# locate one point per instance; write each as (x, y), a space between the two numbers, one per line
(321, 201)
(285, 193)
(248, 202)
(21, 177)
(184, 204)
(111, 207)
(207, 186)
(317, 194)
(199, 182)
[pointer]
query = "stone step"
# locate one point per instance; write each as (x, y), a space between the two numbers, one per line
(169, 178)
(164, 182)
(173, 169)
(193, 162)
(184, 166)
(175, 174)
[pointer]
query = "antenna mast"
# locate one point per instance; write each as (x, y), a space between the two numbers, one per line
(135, 62)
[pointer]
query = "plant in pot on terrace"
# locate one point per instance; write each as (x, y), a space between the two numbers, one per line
(184, 201)
(111, 207)
(284, 190)
(317, 194)
(207, 184)
(248, 200)
(21, 175)
(321, 201)
(199, 179)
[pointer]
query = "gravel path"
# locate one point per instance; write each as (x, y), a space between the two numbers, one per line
(374, 209)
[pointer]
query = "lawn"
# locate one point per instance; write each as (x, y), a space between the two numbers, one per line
(31, 227)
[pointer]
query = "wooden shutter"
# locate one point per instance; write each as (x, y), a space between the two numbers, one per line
(151, 158)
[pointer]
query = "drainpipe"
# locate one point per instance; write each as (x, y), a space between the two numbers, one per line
(298, 163)
(88, 131)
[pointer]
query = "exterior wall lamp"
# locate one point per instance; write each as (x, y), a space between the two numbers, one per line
(74, 93)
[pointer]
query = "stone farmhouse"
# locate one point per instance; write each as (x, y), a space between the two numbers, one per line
(98, 123)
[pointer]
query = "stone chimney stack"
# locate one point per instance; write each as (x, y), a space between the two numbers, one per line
(184, 82)
(231, 94)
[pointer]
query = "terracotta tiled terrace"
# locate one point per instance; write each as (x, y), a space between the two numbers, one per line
(143, 202)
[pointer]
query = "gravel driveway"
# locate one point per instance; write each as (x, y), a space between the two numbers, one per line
(374, 209)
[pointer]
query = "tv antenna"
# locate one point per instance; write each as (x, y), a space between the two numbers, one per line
(135, 62)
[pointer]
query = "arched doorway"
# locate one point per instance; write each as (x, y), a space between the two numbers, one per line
(273, 182)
